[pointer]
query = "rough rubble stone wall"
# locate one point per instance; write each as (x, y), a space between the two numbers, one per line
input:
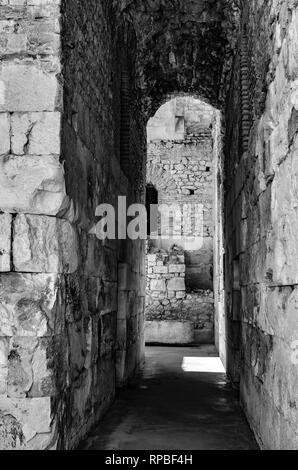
(182, 174)
(168, 299)
(180, 167)
(64, 340)
(261, 222)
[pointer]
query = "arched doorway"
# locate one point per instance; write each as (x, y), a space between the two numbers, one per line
(184, 282)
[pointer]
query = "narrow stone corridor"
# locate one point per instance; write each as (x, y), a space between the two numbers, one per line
(180, 401)
(148, 195)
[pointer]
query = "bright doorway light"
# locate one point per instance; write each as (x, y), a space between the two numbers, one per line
(203, 364)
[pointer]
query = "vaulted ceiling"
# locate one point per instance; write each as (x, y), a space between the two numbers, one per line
(183, 46)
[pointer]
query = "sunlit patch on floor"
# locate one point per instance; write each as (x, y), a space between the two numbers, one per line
(203, 364)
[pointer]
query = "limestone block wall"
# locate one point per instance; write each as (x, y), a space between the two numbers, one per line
(64, 343)
(34, 248)
(261, 221)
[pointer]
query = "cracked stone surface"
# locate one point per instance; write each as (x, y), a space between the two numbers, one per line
(35, 133)
(44, 245)
(32, 183)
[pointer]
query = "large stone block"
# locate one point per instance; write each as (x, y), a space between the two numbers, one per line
(43, 369)
(177, 268)
(20, 374)
(291, 48)
(11, 434)
(284, 250)
(31, 418)
(161, 270)
(176, 284)
(33, 184)
(275, 311)
(169, 332)
(5, 242)
(31, 305)
(4, 133)
(158, 285)
(27, 88)
(29, 371)
(44, 245)
(35, 133)
(4, 348)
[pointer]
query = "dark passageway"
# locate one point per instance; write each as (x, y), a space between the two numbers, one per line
(172, 405)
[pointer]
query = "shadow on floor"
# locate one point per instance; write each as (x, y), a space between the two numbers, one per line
(180, 401)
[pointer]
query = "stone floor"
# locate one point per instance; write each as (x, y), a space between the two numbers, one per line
(180, 401)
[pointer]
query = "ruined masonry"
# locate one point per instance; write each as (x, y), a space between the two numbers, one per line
(180, 166)
(79, 81)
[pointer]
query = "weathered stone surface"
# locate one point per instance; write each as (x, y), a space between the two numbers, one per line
(5, 133)
(35, 133)
(29, 374)
(27, 88)
(285, 221)
(158, 285)
(30, 305)
(261, 203)
(20, 374)
(30, 417)
(4, 348)
(176, 268)
(11, 434)
(44, 245)
(5, 242)
(176, 284)
(33, 184)
(169, 332)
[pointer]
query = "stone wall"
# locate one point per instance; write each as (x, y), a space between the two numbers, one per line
(168, 300)
(261, 221)
(34, 243)
(180, 167)
(77, 80)
(71, 306)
